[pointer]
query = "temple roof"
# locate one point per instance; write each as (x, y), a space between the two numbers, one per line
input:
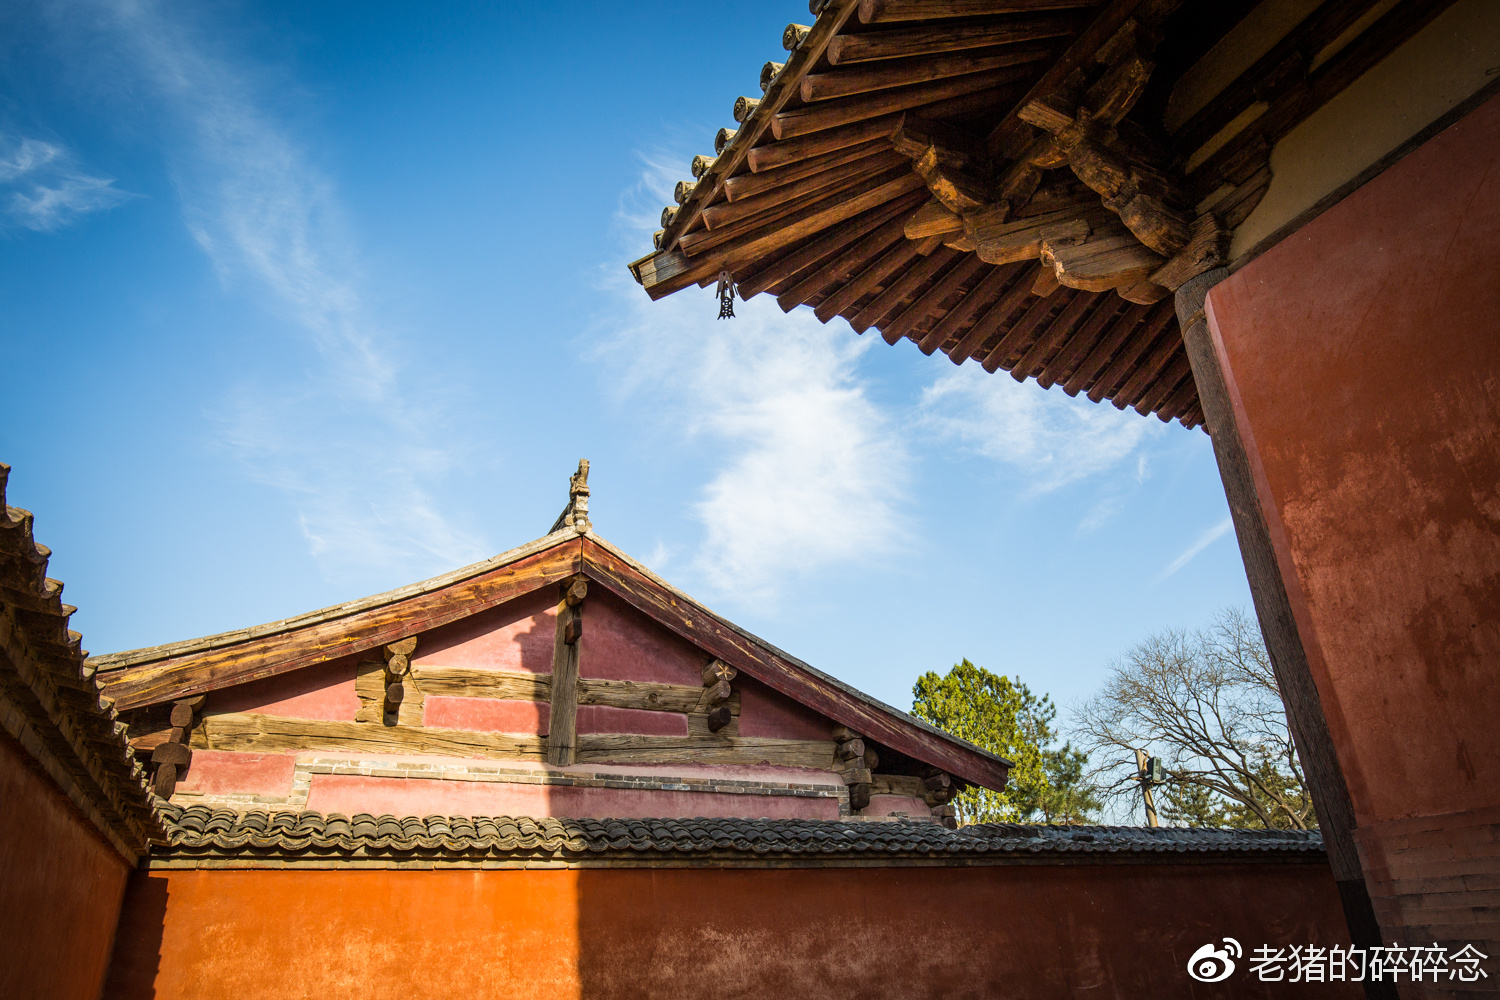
(1023, 183)
(144, 677)
(50, 696)
(200, 833)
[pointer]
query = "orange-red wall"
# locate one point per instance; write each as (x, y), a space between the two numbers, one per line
(1362, 356)
(1105, 931)
(60, 888)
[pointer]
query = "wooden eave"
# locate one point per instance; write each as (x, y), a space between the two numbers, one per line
(144, 677)
(989, 139)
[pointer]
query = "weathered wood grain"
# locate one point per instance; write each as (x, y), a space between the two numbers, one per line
(274, 734)
(783, 88)
(966, 270)
(901, 43)
(468, 682)
(369, 686)
(664, 273)
(899, 290)
(645, 695)
(807, 201)
(883, 11)
(562, 731)
(818, 249)
(877, 105)
(905, 72)
(1020, 332)
(751, 185)
(958, 319)
(612, 748)
(269, 655)
(843, 267)
(1012, 132)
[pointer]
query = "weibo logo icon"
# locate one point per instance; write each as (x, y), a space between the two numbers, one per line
(1213, 965)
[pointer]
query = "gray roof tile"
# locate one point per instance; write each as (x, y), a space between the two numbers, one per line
(197, 831)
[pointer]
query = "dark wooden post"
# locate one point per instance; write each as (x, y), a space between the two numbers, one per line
(1304, 707)
(562, 728)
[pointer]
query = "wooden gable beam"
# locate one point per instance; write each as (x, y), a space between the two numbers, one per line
(279, 653)
(782, 673)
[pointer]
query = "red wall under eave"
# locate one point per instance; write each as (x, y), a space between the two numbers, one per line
(1363, 360)
(60, 889)
(1105, 931)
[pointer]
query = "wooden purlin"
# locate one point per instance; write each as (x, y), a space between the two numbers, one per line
(1131, 351)
(785, 675)
(1017, 336)
(177, 677)
(846, 82)
(842, 267)
(994, 318)
(811, 202)
(678, 271)
(1052, 338)
(894, 259)
(1093, 364)
(822, 182)
(917, 275)
(819, 247)
(983, 294)
(927, 304)
(903, 43)
(744, 186)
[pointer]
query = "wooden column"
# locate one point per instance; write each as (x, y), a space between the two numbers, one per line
(562, 730)
(1273, 608)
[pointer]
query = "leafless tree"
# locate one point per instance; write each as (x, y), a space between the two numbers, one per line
(1207, 704)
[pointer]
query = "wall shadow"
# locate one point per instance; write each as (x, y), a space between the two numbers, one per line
(136, 960)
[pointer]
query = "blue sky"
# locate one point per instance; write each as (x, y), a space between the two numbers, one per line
(301, 302)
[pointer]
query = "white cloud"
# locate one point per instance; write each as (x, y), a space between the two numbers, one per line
(1049, 438)
(341, 437)
(1203, 541)
(811, 470)
(44, 190)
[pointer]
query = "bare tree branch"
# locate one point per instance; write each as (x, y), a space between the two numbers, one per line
(1206, 703)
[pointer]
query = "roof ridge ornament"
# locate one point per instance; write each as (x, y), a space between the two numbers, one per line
(576, 514)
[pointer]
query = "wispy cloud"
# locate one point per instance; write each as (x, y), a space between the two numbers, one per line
(1203, 541)
(1047, 437)
(812, 471)
(43, 189)
(342, 438)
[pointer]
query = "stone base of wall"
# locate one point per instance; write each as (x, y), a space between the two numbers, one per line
(1436, 880)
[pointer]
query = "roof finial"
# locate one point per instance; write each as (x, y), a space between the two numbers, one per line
(576, 514)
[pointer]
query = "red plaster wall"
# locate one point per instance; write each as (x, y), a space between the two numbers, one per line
(60, 889)
(620, 643)
(1109, 932)
(764, 712)
(488, 715)
(325, 691)
(350, 794)
(220, 771)
(516, 636)
(1362, 356)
